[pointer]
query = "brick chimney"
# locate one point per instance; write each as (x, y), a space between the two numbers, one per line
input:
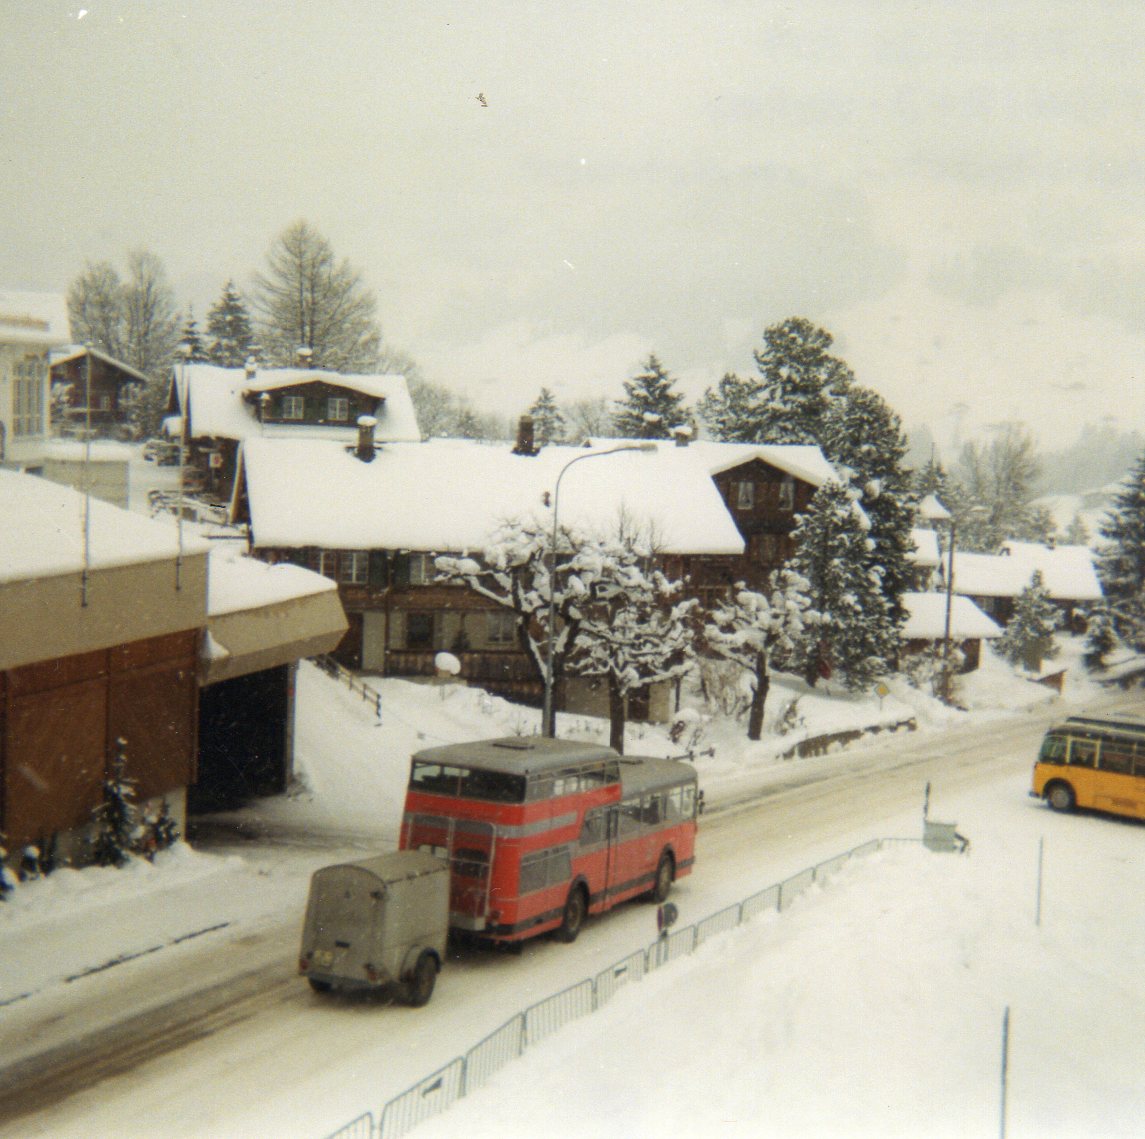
(525, 440)
(365, 447)
(682, 434)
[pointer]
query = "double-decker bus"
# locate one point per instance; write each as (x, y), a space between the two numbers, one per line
(1095, 762)
(539, 832)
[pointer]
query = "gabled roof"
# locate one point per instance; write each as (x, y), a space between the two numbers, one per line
(451, 495)
(802, 461)
(1067, 572)
(33, 318)
(926, 619)
(73, 353)
(925, 552)
(213, 399)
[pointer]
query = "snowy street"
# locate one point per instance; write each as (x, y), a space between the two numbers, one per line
(215, 1034)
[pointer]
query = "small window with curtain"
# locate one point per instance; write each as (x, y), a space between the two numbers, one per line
(744, 494)
(337, 409)
(293, 407)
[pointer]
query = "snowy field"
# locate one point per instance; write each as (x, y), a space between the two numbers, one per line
(872, 1007)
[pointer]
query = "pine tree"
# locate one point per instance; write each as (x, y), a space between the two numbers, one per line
(1029, 637)
(732, 410)
(750, 628)
(230, 337)
(650, 408)
(799, 380)
(191, 342)
(1121, 560)
(1076, 533)
(1100, 638)
(117, 817)
(864, 439)
(548, 422)
(857, 636)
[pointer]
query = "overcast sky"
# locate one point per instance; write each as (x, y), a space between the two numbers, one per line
(543, 193)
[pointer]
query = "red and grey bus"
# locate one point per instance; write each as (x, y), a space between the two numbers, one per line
(539, 833)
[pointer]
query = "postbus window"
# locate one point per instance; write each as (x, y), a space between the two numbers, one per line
(1082, 753)
(1116, 756)
(1053, 750)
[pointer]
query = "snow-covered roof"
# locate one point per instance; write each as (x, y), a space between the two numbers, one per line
(801, 461)
(236, 582)
(99, 451)
(925, 552)
(451, 495)
(1067, 572)
(217, 408)
(49, 520)
(72, 352)
(926, 618)
(33, 318)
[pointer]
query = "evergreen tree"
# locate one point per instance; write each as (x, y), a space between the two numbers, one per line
(308, 299)
(1029, 637)
(230, 336)
(732, 409)
(864, 439)
(1121, 559)
(1100, 639)
(857, 636)
(548, 422)
(1076, 533)
(191, 343)
(750, 628)
(799, 380)
(650, 408)
(117, 817)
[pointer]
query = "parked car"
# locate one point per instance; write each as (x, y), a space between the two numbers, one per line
(379, 923)
(162, 452)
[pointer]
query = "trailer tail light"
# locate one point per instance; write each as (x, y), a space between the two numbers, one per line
(303, 964)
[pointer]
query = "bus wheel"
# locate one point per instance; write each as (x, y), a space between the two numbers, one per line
(1060, 797)
(420, 986)
(575, 910)
(665, 874)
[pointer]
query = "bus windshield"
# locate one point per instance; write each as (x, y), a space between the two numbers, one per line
(467, 782)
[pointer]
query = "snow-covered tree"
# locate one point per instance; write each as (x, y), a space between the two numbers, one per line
(309, 299)
(857, 634)
(7, 878)
(865, 441)
(750, 627)
(635, 631)
(443, 414)
(731, 410)
(117, 817)
(548, 422)
(1100, 637)
(589, 418)
(799, 380)
(1029, 637)
(230, 334)
(1076, 533)
(190, 342)
(95, 308)
(650, 407)
(1121, 559)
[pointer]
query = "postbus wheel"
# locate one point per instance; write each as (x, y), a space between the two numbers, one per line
(420, 986)
(576, 909)
(1060, 797)
(665, 874)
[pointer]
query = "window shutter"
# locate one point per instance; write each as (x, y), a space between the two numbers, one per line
(379, 569)
(401, 569)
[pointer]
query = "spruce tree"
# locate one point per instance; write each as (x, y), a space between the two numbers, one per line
(1100, 638)
(1029, 637)
(799, 380)
(1121, 560)
(190, 341)
(117, 817)
(731, 410)
(230, 337)
(650, 408)
(857, 636)
(548, 422)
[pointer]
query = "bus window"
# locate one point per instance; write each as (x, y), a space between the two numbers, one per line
(471, 863)
(1053, 750)
(1082, 753)
(674, 805)
(492, 786)
(1116, 756)
(592, 833)
(688, 801)
(435, 778)
(630, 816)
(545, 868)
(652, 813)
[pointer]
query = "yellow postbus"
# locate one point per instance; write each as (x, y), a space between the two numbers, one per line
(1094, 762)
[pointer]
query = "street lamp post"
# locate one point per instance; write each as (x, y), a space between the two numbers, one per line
(548, 714)
(933, 510)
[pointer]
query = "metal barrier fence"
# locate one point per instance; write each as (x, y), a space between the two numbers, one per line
(467, 1073)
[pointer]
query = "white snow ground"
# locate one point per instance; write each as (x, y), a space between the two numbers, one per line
(872, 1007)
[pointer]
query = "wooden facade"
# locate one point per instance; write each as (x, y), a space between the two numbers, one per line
(101, 396)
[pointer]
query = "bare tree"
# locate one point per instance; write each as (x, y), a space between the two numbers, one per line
(95, 308)
(588, 419)
(308, 299)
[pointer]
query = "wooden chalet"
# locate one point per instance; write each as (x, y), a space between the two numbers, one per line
(90, 388)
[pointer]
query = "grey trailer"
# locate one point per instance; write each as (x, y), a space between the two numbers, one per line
(378, 923)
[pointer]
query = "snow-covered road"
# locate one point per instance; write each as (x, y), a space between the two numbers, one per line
(163, 1045)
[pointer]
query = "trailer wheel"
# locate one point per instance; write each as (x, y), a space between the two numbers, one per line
(576, 908)
(419, 988)
(319, 986)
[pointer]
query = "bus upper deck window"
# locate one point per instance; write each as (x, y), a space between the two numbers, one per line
(1053, 750)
